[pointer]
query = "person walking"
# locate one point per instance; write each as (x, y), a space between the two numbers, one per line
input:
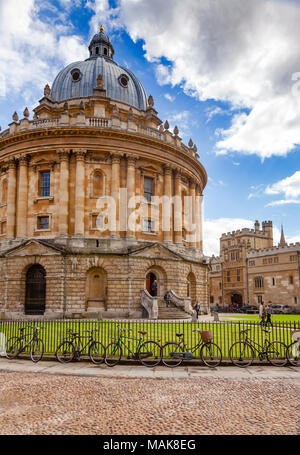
(197, 308)
(167, 298)
(263, 314)
(268, 314)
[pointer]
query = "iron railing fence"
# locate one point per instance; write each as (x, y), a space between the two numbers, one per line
(162, 331)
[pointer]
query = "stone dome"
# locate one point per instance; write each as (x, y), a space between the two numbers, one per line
(79, 79)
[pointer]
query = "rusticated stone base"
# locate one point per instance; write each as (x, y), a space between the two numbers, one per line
(122, 273)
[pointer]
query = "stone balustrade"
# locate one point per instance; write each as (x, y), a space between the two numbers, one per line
(96, 122)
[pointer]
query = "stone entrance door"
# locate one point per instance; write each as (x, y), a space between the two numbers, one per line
(35, 300)
(150, 284)
(237, 299)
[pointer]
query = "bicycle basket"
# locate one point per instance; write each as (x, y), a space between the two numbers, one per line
(296, 335)
(206, 335)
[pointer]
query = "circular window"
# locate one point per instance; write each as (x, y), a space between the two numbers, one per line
(123, 79)
(76, 75)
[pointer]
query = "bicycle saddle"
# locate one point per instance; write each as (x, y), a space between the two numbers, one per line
(179, 334)
(142, 332)
(197, 330)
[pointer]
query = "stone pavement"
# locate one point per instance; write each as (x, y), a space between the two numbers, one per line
(184, 371)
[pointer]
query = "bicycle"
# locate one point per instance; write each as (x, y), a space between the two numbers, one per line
(71, 349)
(147, 352)
(17, 344)
(293, 349)
(174, 353)
(241, 353)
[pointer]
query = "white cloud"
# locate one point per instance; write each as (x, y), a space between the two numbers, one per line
(169, 97)
(290, 186)
(213, 229)
(240, 51)
(282, 202)
(32, 51)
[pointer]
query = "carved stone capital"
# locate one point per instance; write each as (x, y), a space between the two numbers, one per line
(131, 160)
(192, 184)
(24, 159)
(63, 155)
(167, 169)
(115, 157)
(11, 163)
(79, 154)
(178, 173)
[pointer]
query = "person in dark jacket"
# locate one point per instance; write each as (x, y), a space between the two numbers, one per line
(167, 298)
(197, 308)
(154, 288)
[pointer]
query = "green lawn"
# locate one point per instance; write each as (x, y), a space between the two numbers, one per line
(255, 317)
(224, 333)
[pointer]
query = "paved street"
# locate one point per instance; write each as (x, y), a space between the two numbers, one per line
(67, 399)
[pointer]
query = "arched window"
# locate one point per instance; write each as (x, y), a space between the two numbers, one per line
(4, 192)
(98, 184)
(97, 50)
(105, 51)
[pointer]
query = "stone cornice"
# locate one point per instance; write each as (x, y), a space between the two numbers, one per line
(105, 133)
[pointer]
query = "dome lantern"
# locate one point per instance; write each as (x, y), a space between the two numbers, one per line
(100, 45)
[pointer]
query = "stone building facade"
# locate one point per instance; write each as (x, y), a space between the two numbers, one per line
(250, 269)
(71, 239)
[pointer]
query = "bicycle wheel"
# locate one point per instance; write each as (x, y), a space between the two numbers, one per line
(149, 354)
(241, 354)
(293, 353)
(113, 354)
(171, 355)
(277, 353)
(65, 352)
(13, 347)
(211, 354)
(97, 352)
(37, 350)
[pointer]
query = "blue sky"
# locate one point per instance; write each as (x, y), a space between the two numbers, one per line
(224, 71)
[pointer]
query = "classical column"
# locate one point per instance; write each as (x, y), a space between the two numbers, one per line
(192, 207)
(178, 208)
(22, 197)
(167, 206)
(115, 188)
(63, 215)
(199, 199)
(131, 162)
(79, 191)
(11, 199)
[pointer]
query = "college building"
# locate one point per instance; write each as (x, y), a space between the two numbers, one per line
(94, 157)
(250, 269)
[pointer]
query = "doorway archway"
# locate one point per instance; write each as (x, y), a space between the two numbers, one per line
(35, 299)
(151, 284)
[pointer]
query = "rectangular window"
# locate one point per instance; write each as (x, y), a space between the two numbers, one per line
(232, 256)
(259, 299)
(228, 277)
(259, 282)
(293, 258)
(295, 300)
(43, 222)
(238, 275)
(148, 226)
(276, 260)
(3, 228)
(148, 188)
(265, 261)
(251, 263)
(273, 281)
(270, 260)
(44, 189)
(220, 285)
(291, 278)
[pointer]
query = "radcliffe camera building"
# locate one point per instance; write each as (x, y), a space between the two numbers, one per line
(96, 135)
(251, 269)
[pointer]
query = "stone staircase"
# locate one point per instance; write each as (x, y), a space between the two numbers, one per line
(172, 312)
